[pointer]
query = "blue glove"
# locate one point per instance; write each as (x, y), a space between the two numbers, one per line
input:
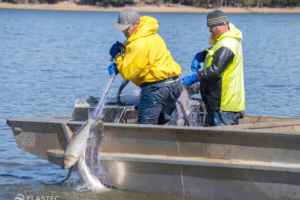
(112, 68)
(190, 80)
(195, 63)
(115, 48)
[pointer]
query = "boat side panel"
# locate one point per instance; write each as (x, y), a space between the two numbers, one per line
(237, 184)
(236, 145)
(37, 138)
(141, 141)
(202, 182)
(240, 146)
(146, 177)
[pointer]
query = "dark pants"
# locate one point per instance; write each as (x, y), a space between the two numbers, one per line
(223, 118)
(158, 102)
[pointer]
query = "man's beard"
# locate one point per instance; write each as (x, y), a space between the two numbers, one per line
(127, 35)
(213, 37)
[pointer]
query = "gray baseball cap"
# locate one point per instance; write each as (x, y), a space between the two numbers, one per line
(126, 18)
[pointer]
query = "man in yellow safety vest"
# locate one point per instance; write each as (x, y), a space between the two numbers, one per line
(222, 76)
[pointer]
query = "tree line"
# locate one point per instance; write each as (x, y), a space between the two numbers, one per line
(195, 3)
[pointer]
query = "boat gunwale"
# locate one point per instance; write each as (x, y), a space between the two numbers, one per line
(212, 130)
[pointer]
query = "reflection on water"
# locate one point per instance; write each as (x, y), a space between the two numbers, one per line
(49, 59)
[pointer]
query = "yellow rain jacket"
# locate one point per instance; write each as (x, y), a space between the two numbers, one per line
(147, 58)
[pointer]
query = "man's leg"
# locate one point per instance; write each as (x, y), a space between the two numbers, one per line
(158, 103)
(224, 118)
(149, 107)
(172, 91)
(210, 117)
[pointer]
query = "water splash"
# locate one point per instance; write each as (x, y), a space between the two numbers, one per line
(93, 161)
(93, 144)
(100, 111)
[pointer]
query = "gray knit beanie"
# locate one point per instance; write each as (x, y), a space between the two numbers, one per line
(216, 18)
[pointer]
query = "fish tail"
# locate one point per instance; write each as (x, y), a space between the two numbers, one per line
(92, 118)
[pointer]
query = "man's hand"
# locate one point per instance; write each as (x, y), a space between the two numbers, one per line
(189, 80)
(195, 63)
(115, 48)
(112, 68)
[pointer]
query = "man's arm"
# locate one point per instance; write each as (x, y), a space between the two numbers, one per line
(134, 60)
(199, 58)
(203, 54)
(222, 58)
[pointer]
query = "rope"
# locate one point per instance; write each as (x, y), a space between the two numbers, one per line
(61, 182)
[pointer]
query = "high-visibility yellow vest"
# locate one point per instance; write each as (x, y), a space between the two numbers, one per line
(233, 91)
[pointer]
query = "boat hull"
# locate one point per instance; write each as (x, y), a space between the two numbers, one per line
(240, 162)
(202, 162)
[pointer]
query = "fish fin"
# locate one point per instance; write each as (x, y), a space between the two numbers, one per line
(82, 155)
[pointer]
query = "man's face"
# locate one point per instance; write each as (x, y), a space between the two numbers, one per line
(215, 34)
(127, 32)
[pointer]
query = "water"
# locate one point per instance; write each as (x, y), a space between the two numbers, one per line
(49, 59)
(99, 110)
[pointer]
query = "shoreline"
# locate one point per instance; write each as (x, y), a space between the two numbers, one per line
(67, 6)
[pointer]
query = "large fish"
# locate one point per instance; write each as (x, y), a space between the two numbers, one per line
(78, 143)
(88, 179)
(186, 103)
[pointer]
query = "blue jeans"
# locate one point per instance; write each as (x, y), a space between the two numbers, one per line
(158, 102)
(223, 118)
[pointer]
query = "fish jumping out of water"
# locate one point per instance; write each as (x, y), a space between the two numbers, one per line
(78, 143)
(88, 179)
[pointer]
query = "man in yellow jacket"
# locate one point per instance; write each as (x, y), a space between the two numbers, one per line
(148, 64)
(222, 77)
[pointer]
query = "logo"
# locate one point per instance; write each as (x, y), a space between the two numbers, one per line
(20, 197)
